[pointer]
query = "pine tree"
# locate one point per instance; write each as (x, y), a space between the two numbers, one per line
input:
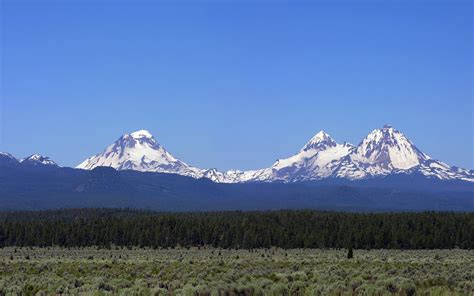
(2, 237)
(350, 253)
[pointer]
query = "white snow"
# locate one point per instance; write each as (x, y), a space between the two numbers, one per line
(38, 159)
(141, 152)
(141, 134)
(384, 151)
(7, 155)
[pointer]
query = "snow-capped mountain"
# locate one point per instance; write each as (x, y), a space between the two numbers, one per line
(387, 151)
(383, 152)
(6, 159)
(314, 161)
(141, 152)
(37, 159)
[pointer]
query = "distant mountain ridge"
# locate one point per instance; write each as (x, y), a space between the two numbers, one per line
(24, 187)
(6, 159)
(382, 153)
(36, 183)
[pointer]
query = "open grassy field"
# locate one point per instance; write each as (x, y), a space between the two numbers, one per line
(92, 271)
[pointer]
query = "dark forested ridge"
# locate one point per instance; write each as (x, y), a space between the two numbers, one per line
(46, 188)
(285, 229)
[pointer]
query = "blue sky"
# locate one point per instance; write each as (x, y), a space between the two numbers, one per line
(234, 84)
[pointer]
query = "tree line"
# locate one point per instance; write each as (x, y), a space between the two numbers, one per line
(259, 229)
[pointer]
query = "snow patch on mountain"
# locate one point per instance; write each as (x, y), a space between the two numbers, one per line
(6, 155)
(37, 159)
(142, 134)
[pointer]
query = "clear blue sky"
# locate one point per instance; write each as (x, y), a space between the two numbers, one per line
(234, 84)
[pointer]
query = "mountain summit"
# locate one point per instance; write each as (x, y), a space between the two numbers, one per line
(315, 161)
(320, 141)
(140, 151)
(38, 160)
(142, 134)
(383, 152)
(387, 151)
(388, 148)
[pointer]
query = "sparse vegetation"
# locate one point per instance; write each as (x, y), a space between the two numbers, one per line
(123, 252)
(209, 271)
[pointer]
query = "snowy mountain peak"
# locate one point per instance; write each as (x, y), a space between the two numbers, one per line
(142, 134)
(34, 157)
(319, 142)
(387, 133)
(141, 152)
(313, 162)
(321, 136)
(139, 138)
(37, 159)
(388, 149)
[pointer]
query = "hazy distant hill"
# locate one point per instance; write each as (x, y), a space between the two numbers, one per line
(47, 187)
